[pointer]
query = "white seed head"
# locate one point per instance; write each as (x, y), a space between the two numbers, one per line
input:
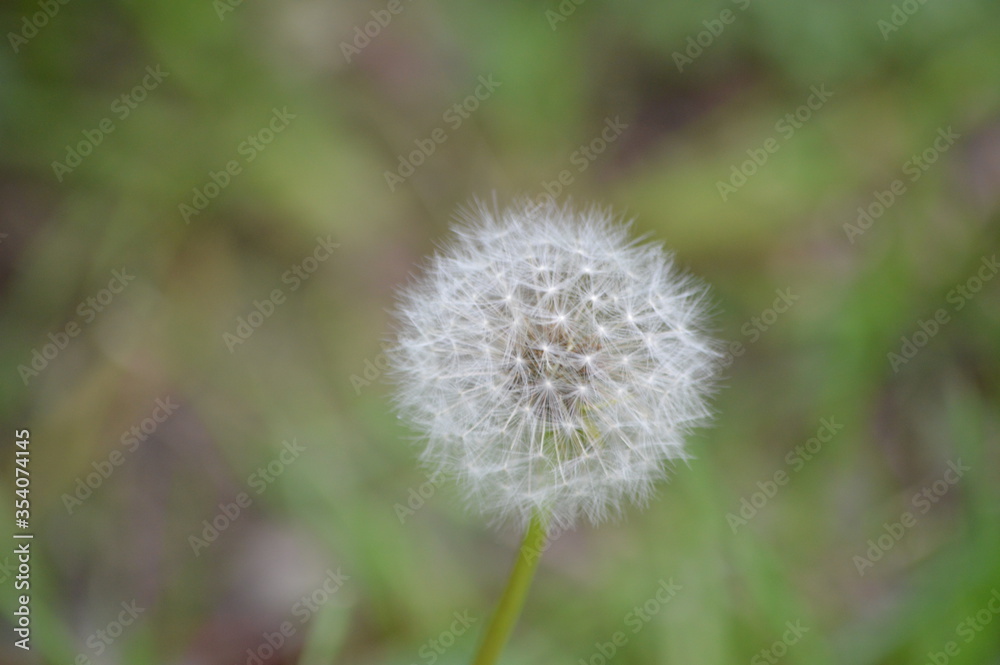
(551, 363)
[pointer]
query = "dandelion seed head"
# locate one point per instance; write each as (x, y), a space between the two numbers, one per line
(551, 363)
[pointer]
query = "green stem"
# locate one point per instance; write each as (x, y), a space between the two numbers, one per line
(509, 607)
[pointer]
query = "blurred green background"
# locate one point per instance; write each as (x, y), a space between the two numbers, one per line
(213, 153)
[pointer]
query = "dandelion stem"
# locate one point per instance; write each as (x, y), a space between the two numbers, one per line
(509, 607)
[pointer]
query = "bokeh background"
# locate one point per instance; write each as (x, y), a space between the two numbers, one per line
(275, 425)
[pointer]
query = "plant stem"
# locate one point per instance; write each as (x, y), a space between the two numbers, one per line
(509, 607)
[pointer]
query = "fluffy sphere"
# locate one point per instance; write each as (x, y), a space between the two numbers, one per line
(551, 363)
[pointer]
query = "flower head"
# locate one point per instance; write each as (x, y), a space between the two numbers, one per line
(551, 363)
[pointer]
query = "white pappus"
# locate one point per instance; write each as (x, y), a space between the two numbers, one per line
(551, 363)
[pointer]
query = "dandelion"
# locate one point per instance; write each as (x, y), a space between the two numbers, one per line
(553, 366)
